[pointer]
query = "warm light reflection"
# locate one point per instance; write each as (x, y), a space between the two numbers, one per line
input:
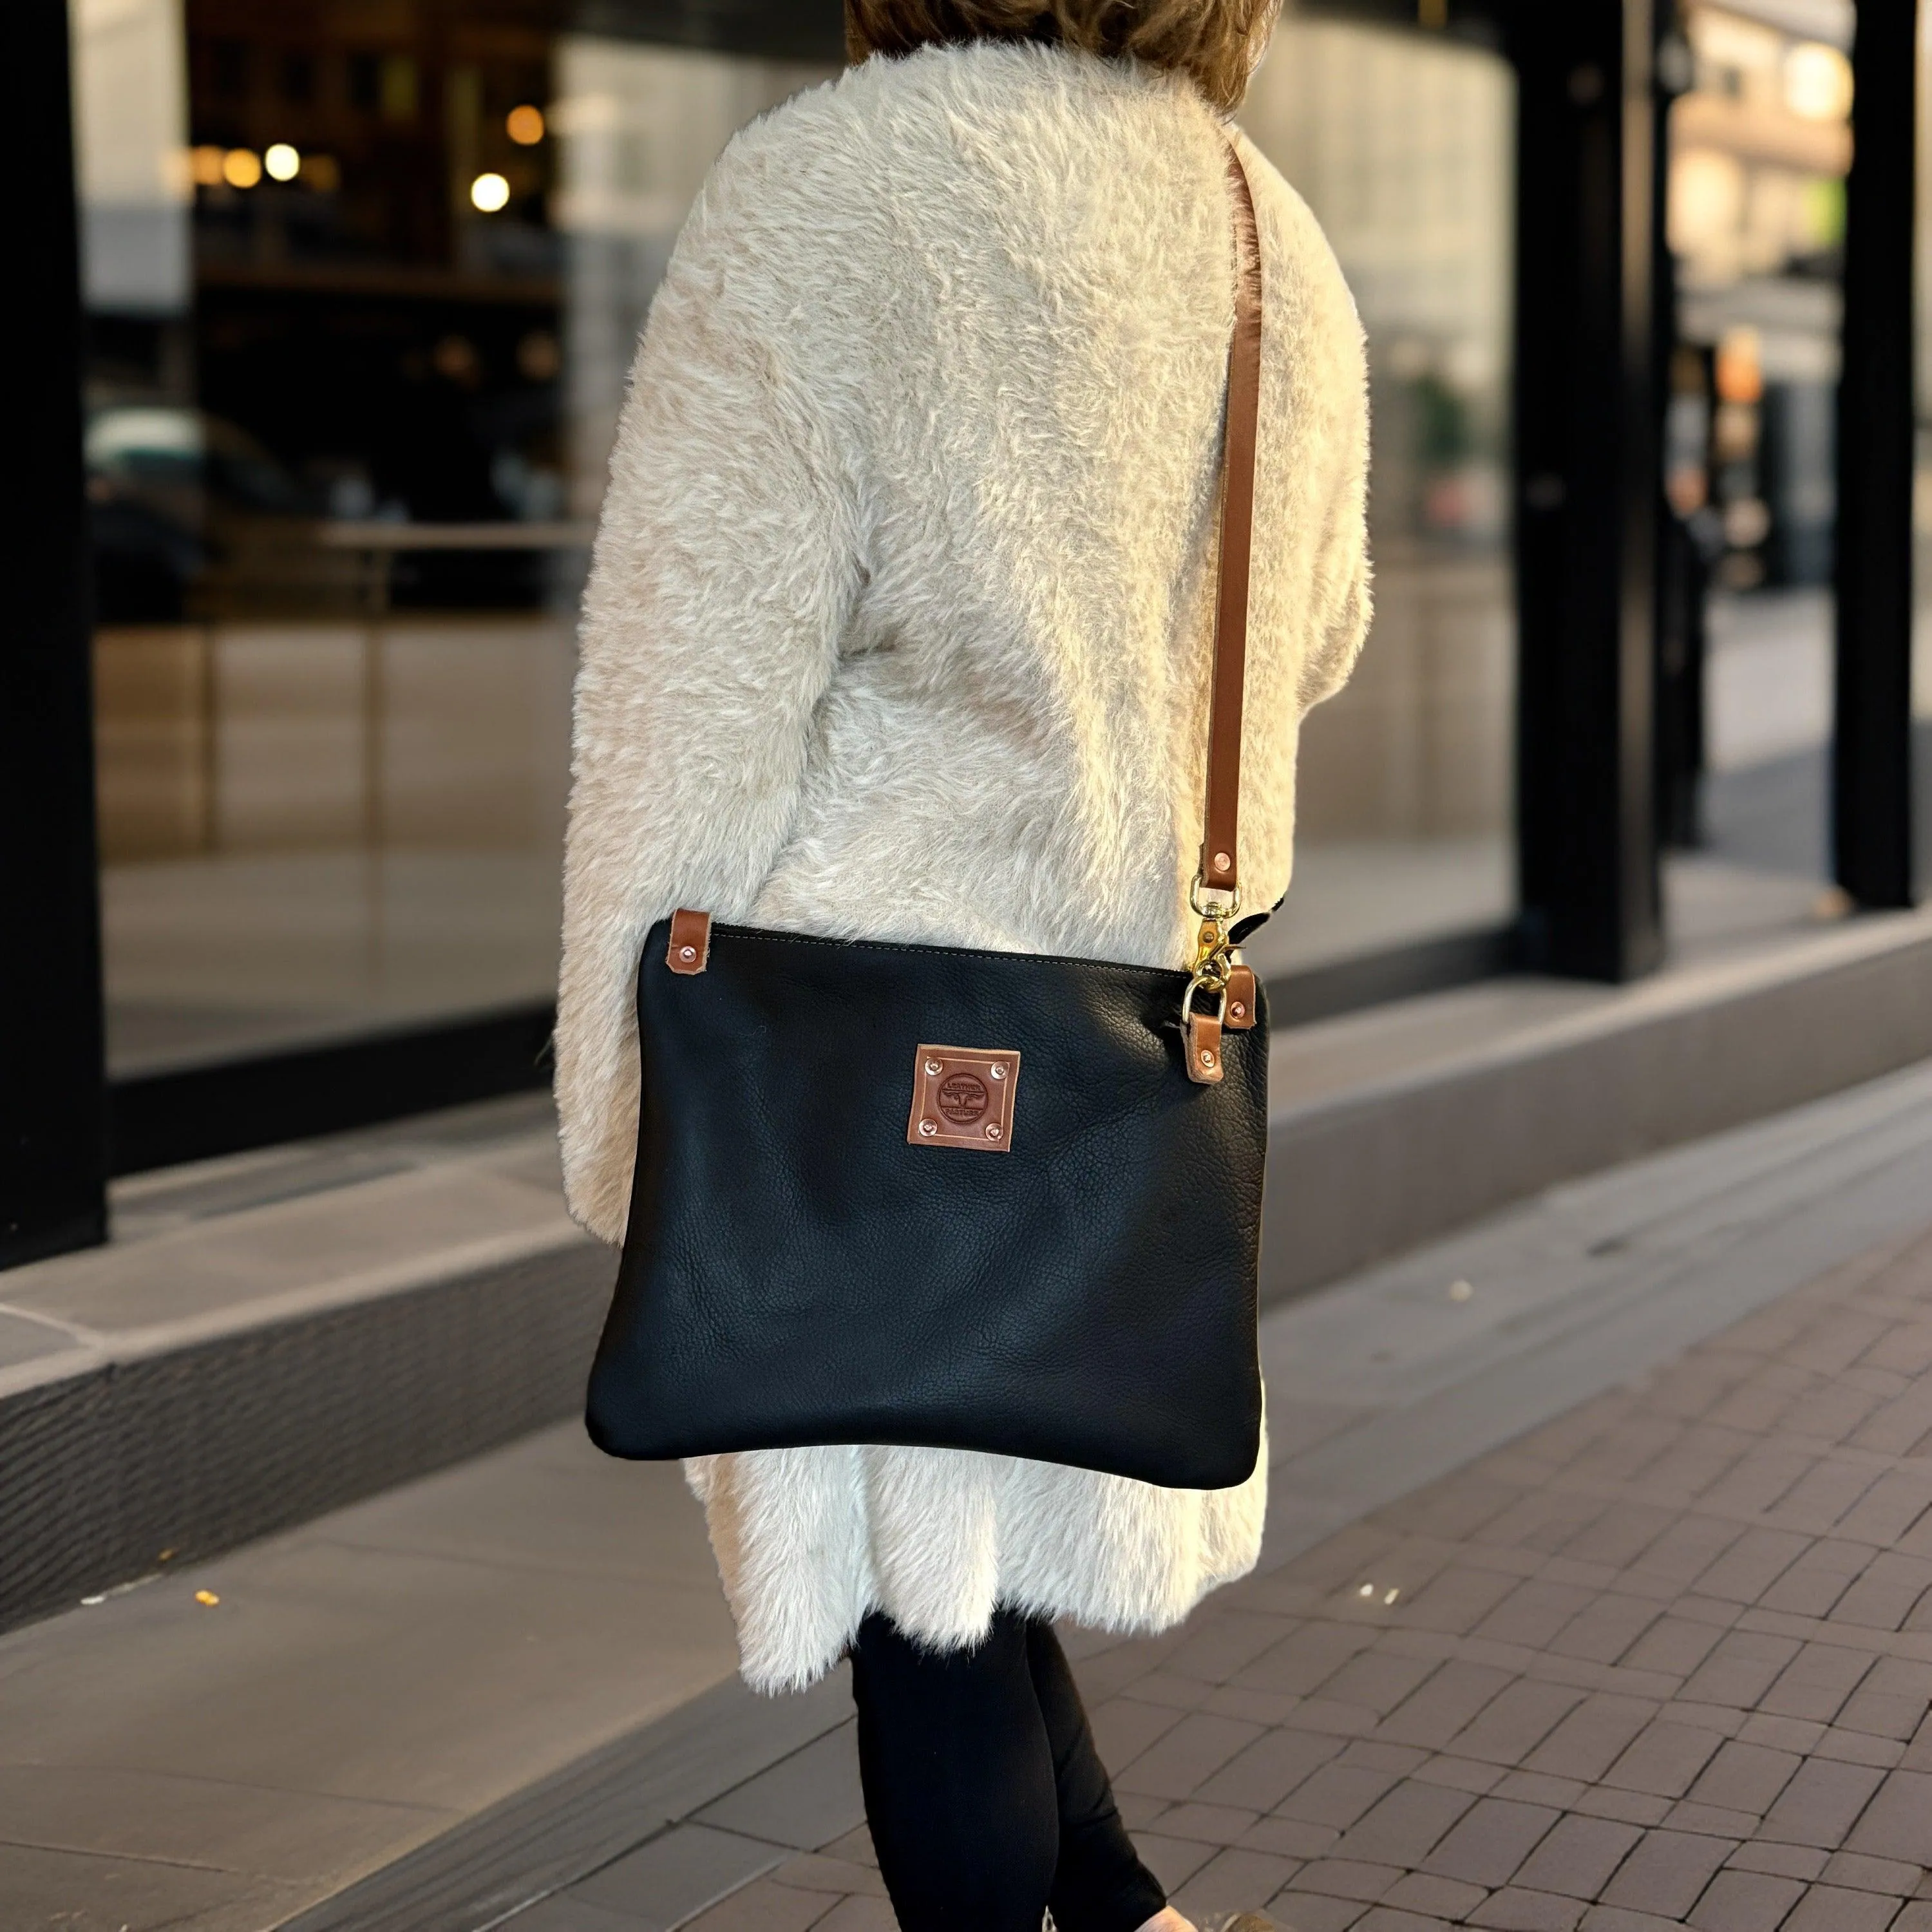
(1706, 202)
(525, 125)
(1740, 366)
(283, 161)
(490, 193)
(1817, 81)
(241, 167)
(204, 167)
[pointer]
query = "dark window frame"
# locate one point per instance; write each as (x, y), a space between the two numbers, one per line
(52, 1138)
(1872, 788)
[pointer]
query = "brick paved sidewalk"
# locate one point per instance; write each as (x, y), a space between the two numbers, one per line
(1667, 1661)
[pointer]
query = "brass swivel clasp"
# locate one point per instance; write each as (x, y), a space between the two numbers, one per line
(1213, 944)
(1213, 961)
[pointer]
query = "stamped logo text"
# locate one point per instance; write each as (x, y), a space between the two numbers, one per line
(963, 1098)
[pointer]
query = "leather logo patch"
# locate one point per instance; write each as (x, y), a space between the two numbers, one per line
(963, 1097)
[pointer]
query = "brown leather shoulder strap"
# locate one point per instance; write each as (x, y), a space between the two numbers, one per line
(1219, 849)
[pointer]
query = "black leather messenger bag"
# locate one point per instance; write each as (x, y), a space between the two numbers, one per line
(931, 1194)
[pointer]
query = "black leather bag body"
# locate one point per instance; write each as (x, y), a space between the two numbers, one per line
(936, 1195)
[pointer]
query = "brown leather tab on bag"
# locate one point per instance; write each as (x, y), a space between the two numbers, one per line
(1242, 1005)
(690, 949)
(1203, 1049)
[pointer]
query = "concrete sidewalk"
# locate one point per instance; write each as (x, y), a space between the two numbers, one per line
(502, 1695)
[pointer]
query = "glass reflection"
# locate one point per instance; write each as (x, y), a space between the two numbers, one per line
(363, 289)
(1402, 145)
(1760, 145)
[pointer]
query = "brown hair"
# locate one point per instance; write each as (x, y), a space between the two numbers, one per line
(1216, 42)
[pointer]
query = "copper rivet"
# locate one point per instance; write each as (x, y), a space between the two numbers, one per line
(1239, 1011)
(1207, 1058)
(1222, 863)
(932, 1067)
(929, 1128)
(687, 953)
(993, 1133)
(998, 1072)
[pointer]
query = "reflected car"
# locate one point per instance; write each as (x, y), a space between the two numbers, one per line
(189, 512)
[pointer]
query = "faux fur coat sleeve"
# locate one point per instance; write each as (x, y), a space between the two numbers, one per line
(721, 583)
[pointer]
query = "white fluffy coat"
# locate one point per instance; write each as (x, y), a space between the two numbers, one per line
(899, 627)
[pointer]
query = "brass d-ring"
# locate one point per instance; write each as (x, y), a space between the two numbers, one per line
(1231, 893)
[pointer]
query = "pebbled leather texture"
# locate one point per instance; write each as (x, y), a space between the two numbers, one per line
(796, 1274)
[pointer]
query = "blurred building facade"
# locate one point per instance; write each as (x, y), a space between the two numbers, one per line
(361, 280)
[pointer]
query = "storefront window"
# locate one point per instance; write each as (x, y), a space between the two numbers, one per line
(363, 288)
(1760, 144)
(1403, 145)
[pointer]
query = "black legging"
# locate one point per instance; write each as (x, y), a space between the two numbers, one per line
(987, 1800)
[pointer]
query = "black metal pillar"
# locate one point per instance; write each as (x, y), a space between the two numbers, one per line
(1871, 763)
(1586, 415)
(52, 1161)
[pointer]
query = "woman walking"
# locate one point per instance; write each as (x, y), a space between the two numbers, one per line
(900, 627)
